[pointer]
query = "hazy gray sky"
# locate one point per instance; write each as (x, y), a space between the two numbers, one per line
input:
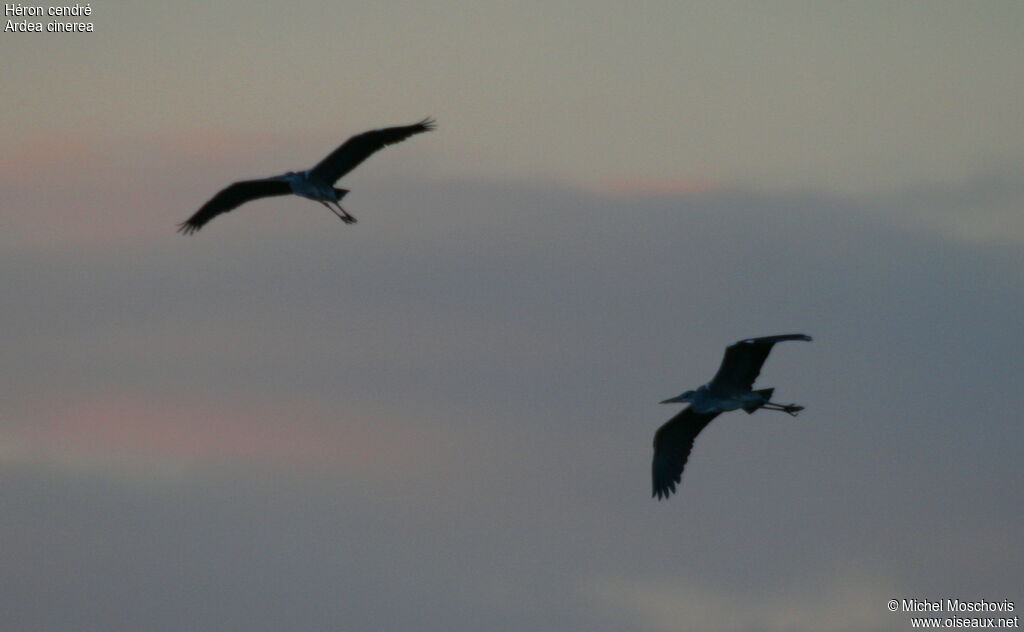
(838, 96)
(440, 418)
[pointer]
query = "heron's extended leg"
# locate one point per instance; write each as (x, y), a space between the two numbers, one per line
(332, 210)
(349, 219)
(791, 409)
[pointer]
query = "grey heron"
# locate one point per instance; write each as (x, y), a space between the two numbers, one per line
(316, 183)
(730, 389)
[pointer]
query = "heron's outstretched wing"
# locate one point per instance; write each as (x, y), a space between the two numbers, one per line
(742, 362)
(232, 197)
(361, 146)
(672, 445)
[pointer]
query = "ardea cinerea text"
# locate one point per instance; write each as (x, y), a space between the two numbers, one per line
(730, 389)
(316, 183)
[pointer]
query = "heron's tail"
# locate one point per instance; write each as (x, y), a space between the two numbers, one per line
(766, 395)
(341, 192)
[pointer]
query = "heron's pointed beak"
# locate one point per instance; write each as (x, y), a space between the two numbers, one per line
(674, 400)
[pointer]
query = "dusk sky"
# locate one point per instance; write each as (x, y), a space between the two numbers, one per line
(440, 419)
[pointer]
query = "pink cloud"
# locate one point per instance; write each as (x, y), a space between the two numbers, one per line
(111, 429)
(78, 191)
(48, 159)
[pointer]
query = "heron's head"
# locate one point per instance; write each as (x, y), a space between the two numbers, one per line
(682, 399)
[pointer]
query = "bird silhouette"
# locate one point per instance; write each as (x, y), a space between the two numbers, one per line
(316, 183)
(730, 389)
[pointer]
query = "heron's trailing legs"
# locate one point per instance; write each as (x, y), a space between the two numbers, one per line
(351, 218)
(343, 216)
(791, 409)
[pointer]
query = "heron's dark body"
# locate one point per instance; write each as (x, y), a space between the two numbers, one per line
(306, 184)
(707, 401)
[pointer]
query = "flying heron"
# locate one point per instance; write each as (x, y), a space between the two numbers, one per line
(730, 389)
(316, 183)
